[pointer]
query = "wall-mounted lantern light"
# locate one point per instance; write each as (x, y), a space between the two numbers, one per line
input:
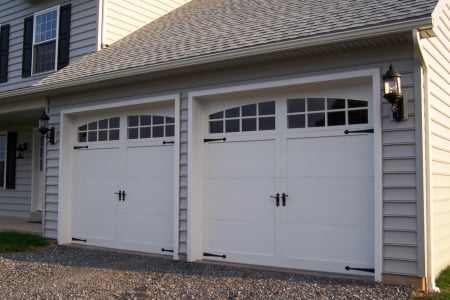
(393, 92)
(44, 130)
(21, 148)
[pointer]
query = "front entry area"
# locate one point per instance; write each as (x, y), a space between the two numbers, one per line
(123, 179)
(288, 179)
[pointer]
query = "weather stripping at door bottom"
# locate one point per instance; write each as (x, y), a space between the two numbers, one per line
(79, 240)
(214, 255)
(360, 269)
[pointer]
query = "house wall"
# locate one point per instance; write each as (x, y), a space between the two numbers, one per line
(83, 37)
(436, 51)
(402, 239)
(138, 13)
(16, 202)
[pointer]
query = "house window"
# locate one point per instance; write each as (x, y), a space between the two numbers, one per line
(326, 112)
(2, 160)
(100, 131)
(150, 126)
(45, 39)
(251, 117)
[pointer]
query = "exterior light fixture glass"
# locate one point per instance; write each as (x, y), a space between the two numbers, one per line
(21, 149)
(44, 130)
(393, 92)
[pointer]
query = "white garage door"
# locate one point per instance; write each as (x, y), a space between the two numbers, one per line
(123, 181)
(284, 185)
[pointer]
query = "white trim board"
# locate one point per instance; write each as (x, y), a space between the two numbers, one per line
(195, 211)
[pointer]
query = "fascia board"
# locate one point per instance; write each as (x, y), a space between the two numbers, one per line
(368, 32)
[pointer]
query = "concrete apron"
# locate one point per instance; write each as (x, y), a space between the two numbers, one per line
(20, 225)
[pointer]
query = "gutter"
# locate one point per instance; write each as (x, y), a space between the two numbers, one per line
(428, 214)
(320, 40)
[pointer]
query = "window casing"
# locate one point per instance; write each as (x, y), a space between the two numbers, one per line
(3, 146)
(45, 40)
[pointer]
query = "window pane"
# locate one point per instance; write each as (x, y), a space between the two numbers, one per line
(103, 124)
(44, 57)
(133, 121)
(158, 131)
(296, 105)
(335, 103)
(358, 117)
(114, 135)
(92, 136)
(357, 103)
(218, 115)
(336, 118)
(316, 120)
(133, 133)
(315, 104)
(158, 120)
(170, 130)
(146, 120)
(170, 120)
(145, 133)
(92, 126)
(82, 137)
(249, 124)
(249, 110)
(267, 108)
(114, 122)
(232, 113)
(232, 126)
(215, 126)
(103, 135)
(82, 128)
(267, 123)
(296, 121)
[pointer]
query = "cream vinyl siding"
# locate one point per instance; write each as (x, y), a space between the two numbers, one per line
(83, 36)
(401, 239)
(16, 202)
(126, 16)
(437, 51)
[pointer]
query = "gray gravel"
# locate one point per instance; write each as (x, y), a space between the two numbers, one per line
(67, 272)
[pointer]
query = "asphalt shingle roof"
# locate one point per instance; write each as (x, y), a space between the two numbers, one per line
(204, 27)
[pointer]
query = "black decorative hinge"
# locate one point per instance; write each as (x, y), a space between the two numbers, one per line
(79, 240)
(360, 269)
(168, 142)
(214, 255)
(359, 131)
(214, 140)
(80, 147)
(166, 250)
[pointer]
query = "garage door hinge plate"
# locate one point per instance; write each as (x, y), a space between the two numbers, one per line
(80, 147)
(348, 268)
(214, 140)
(214, 255)
(78, 240)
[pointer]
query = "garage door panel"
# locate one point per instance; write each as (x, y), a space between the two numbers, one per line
(97, 163)
(241, 159)
(151, 197)
(330, 156)
(150, 162)
(343, 200)
(94, 229)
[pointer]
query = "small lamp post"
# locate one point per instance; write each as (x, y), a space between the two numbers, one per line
(393, 92)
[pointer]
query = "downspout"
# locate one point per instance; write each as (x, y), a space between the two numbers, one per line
(103, 24)
(428, 203)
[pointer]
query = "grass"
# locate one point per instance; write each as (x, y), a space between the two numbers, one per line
(19, 242)
(443, 283)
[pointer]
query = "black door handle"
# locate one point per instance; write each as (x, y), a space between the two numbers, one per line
(283, 199)
(120, 195)
(123, 195)
(277, 197)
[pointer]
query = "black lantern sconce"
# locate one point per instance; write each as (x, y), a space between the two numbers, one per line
(21, 148)
(393, 93)
(44, 130)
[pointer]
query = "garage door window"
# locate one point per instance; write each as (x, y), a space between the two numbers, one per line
(251, 117)
(98, 131)
(150, 126)
(326, 112)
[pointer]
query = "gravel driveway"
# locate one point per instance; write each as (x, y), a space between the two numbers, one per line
(68, 272)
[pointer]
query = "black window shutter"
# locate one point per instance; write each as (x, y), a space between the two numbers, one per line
(4, 50)
(27, 46)
(64, 36)
(11, 161)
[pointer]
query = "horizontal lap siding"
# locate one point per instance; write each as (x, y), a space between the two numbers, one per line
(437, 51)
(126, 16)
(83, 37)
(16, 202)
(400, 229)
